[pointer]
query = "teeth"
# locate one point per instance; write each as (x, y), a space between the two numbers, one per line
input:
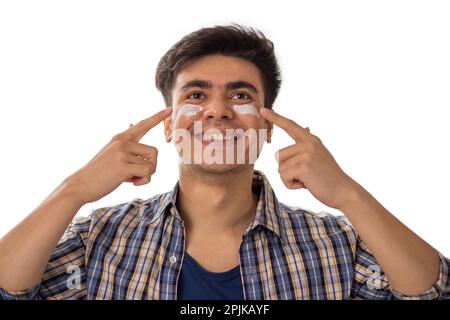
(219, 137)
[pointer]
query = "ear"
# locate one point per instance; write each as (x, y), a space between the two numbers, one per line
(269, 127)
(168, 129)
(269, 132)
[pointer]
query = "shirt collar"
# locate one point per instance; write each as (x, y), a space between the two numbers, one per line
(167, 203)
(268, 212)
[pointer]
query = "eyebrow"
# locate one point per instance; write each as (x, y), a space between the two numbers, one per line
(206, 84)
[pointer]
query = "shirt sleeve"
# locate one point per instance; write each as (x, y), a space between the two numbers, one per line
(65, 274)
(370, 282)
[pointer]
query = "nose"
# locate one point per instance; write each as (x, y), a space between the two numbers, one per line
(218, 111)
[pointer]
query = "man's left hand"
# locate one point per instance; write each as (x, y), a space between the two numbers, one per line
(308, 164)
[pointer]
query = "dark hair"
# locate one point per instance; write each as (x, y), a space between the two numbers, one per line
(233, 40)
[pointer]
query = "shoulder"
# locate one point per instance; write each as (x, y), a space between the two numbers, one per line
(135, 212)
(316, 225)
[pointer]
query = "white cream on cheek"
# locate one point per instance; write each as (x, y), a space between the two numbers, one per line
(246, 109)
(191, 110)
(187, 110)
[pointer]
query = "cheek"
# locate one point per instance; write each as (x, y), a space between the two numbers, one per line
(249, 115)
(183, 122)
(184, 116)
(251, 121)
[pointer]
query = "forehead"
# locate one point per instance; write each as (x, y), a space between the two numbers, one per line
(219, 70)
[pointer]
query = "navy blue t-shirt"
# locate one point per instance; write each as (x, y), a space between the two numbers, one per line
(196, 283)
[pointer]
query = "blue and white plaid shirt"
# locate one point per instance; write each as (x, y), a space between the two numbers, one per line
(135, 250)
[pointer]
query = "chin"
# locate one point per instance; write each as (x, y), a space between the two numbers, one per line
(220, 168)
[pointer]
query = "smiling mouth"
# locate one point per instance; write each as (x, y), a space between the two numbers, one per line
(220, 137)
(216, 145)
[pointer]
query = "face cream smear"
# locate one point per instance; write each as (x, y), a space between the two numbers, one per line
(187, 110)
(246, 109)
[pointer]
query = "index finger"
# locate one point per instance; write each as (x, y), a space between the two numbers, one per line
(294, 130)
(137, 131)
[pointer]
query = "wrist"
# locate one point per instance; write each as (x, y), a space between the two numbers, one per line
(69, 189)
(353, 195)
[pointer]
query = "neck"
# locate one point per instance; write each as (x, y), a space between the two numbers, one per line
(216, 203)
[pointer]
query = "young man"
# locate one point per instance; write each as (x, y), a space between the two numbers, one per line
(220, 233)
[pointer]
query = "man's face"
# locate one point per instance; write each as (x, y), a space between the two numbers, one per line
(215, 119)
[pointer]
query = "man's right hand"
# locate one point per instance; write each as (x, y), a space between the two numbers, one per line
(123, 159)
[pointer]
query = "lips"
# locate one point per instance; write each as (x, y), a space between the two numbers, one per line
(215, 134)
(231, 135)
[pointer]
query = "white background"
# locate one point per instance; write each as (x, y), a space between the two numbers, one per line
(370, 78)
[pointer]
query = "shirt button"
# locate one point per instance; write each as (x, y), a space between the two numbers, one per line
(172, 259)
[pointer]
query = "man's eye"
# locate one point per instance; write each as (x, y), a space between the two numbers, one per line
(195, 95)
(241, 96)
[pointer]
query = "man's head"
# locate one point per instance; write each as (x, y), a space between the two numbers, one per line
(235, 41)
(222, 76)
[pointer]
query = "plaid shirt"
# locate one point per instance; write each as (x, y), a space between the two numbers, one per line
(135, 250)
